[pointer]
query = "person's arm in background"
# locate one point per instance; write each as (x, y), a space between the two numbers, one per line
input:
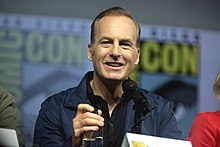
(8, 113)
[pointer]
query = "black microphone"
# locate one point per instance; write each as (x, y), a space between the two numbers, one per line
(131, 90)
(141, 106)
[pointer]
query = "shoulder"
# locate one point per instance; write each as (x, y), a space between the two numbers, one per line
(69, 97)
(207, 116)
(154, 99)
(60, 97)
(54, 104)
(6, 98)
(206, 120)
(206, 123)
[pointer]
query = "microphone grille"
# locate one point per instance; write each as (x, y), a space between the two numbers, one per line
(128, 85)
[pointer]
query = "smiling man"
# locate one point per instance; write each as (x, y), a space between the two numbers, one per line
(114, 51)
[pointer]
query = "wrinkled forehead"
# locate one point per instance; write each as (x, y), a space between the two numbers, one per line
(120, 25)
(119, 17)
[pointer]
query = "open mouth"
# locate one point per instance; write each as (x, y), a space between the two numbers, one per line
(114, 64)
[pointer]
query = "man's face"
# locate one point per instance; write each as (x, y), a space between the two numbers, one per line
(114, 53)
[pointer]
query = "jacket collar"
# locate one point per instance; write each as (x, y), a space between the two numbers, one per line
(79, 94)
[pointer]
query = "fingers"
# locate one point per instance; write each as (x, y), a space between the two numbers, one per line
(82, 108)
(91, 119)
(99, 112)
(86, 120)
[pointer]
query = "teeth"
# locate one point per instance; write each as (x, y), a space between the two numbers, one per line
(114, 64)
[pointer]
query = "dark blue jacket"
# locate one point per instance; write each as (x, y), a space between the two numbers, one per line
(53, 127)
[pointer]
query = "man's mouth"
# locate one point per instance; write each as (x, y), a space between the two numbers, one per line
(113, 64)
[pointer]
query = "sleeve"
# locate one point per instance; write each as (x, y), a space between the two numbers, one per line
(8, 114)
(168, 124)
(48, 128)
(201, 133)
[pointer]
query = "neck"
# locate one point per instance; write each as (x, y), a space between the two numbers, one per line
(108, 90)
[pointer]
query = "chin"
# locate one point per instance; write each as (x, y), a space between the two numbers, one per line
(117, 77)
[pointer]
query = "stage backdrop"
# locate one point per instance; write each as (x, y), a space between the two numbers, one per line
(40, 56)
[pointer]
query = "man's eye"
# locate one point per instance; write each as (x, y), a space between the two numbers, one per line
(106, 43)
(126, 45)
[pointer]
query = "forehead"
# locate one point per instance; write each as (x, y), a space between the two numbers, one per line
(116, 25)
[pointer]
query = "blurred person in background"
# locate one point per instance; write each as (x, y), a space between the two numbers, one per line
(8, 113)
(205, 131)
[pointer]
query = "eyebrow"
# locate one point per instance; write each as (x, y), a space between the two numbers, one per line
(126, 40)
(121, 40)
(105, 37)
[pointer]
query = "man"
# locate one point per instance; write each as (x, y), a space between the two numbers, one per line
(8, 113)
(114, 51)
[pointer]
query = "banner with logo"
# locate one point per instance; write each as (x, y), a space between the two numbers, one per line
(40, 56)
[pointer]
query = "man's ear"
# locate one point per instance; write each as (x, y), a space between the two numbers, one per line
(137, 56)
(90, 52)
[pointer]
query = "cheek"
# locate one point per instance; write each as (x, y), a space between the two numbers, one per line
(98, 55)
(132, 57)
(102, 52)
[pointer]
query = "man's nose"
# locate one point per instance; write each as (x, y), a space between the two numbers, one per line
(116, 51)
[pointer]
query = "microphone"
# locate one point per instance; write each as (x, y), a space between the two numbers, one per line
(131, 90)
(141, 106)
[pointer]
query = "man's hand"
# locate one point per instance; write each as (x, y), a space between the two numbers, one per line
(85, 121)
